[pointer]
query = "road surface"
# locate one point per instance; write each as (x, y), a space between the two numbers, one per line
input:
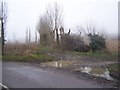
(19, 75)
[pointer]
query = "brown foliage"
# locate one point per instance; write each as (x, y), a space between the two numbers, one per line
(69, 42)
(112, 45)
(21, 49)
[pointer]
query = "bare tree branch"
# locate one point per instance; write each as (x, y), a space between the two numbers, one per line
(51, 21)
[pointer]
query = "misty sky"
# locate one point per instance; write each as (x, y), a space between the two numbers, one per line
(25, 13)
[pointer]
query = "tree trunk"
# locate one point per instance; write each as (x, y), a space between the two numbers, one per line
(2, 35)
(57, 36)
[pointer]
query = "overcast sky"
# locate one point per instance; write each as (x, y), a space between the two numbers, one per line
(25, 13)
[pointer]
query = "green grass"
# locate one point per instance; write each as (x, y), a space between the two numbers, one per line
(42, 55)
(97, 55)
(26, 58)
(114, 67)
(44, 50)
(105, 55)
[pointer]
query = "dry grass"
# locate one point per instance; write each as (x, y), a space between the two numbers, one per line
(112, 45)
(25, 53)
(20, 49)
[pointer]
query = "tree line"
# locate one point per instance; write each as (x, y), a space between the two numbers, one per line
(52, 33)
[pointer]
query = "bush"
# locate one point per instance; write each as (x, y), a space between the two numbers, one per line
(74, 43)
(82, 48)
(67, 42)
(97, 42)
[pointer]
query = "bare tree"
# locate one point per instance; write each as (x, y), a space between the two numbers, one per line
(3, 18)
(57, 20)
(44, 30)
(49, 23)
(97, 39)
(26, 35)
(36, 37)
(29, 38)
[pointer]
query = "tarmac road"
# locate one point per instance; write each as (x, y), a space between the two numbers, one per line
(20, 75)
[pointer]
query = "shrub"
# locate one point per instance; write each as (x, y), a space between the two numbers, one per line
(97, 42)
(73, 42)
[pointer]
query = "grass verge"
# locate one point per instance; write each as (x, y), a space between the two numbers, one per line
(97, 55)
(28, 58)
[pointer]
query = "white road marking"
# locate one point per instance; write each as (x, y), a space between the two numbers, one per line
(3, 86)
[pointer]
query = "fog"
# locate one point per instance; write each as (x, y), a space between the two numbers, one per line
(24, 14)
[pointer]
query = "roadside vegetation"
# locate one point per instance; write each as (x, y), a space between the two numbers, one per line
(34, 52)
(55, 41)
(114, 70)
(26, 53)
(102, 55)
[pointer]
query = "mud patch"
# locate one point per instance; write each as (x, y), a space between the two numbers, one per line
(96, 71)
(77, 66)
(60, 64)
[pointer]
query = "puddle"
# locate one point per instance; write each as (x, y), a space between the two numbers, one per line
(104, 75)
(96, 71)
(59, 64)
(85, 69)
(75, 65)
